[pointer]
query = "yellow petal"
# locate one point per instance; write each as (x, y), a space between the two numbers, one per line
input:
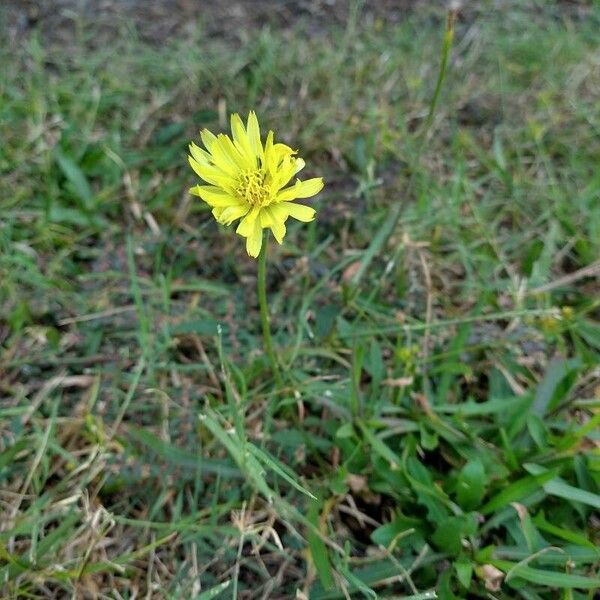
(240, 138)
(254, 240)
(280, 153)
(199, 155)
(214, 196)
(236, 156)
(212, 175)
(285, 171)
(299, 165)
(278, 230)
(277, 225)
(268, 161)
(266, 219)
(299, 211)
(269, 142)
(231, 213)
(279, 212)
(222, 158)
(246, 226)
(217, 212)
(282, 150)
(301, 189)
(274, 221)
(254, 134)
(207, 138)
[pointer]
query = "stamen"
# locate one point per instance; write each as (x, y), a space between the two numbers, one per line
(251, 188)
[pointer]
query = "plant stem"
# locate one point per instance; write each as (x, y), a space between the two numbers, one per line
(264, 308)
(393, 217)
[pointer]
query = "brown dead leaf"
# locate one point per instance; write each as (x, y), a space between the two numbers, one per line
(492, 577)
(350, 271)
(400, 382)
(521, 510)
(357, 483)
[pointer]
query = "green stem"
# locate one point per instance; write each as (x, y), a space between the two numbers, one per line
(264, 308)
(393, 216)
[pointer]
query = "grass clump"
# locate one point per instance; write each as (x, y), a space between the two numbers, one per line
(437, 432)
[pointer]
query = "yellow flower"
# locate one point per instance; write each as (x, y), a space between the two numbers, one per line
(247, 181)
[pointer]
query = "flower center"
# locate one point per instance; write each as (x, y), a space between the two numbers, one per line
(251, 187)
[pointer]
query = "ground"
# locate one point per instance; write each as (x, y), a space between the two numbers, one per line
(436, 434)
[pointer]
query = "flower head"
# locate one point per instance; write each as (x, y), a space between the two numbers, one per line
(247, 180)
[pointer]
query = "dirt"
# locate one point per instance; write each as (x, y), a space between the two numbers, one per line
(157, 21)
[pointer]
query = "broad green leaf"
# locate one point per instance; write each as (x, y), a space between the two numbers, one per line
(68, 216)
(180, 457)
(60, 535)
(345, 431)
(471, 484)
(565, 534)
(577, 555)
(76, 177)
(464, 572)
(590, 332)
(448, 369)
(550, 391)
(532, 536)
(449, 534)
(517, 491)
(559, 487)
(470, 409)
(379, 446)
(428, 494)
(551, 579)
(281, 470)
(318, 549)
(247, 463)
(537, 430)
(400, 527)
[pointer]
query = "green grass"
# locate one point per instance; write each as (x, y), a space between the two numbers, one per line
(437, 433)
